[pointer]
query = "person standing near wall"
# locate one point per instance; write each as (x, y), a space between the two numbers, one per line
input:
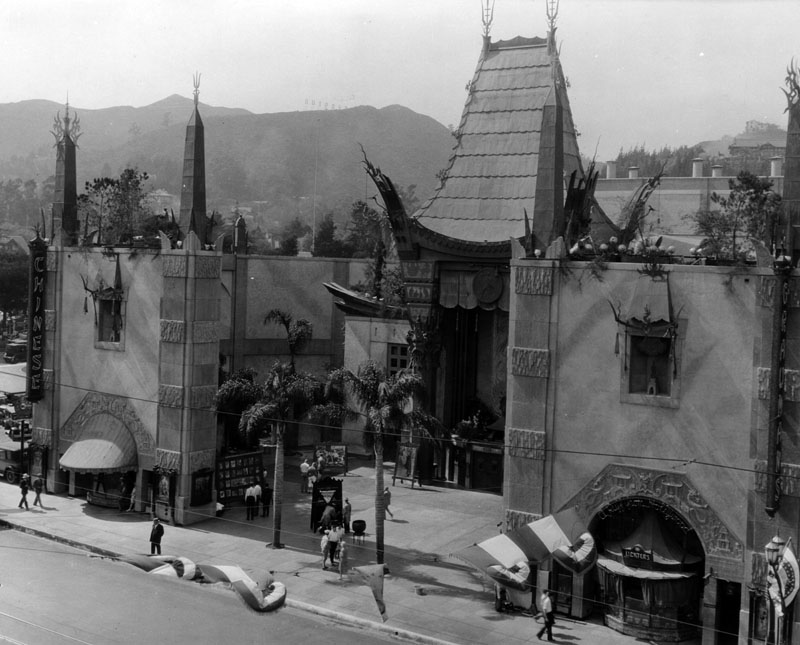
(156, 533)
(304, 476)
(347, 511)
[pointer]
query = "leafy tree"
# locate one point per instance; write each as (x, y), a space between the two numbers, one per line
(93, 205)
(118, 208)
(672, 162)
(365, 231)
(748, 214)
(13, 283)
(326, 243)
(289, 246)
(387, 403)
(236, 394)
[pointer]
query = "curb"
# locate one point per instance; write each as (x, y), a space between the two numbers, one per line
(347, 619)
(402, 634)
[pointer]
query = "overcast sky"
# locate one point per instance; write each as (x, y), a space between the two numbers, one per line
(651, 72)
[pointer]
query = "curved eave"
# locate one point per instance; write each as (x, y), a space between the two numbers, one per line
(430, 240)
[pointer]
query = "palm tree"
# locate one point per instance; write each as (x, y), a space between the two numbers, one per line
(298, 332)
(387, 402)
(286, 395)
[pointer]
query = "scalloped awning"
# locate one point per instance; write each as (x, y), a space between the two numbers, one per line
(104, 445)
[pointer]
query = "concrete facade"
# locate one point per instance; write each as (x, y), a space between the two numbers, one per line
(576, 436)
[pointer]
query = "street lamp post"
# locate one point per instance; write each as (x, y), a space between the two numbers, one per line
(773, 552)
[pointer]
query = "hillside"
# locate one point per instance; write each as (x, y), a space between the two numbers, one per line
(271, 161)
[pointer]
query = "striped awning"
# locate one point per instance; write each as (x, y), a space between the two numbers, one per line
(104, 445)
(562, 536)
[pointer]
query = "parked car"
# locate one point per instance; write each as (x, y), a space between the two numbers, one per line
(12, 464)
(16, 351)
(20, 431)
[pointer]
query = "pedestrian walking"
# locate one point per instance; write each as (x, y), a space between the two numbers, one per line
(325, 547)
(37, 488)
(257, 494)
(24, 483)
(250, 501)
(156, 533)
(312, 478)
(132, 505)
(266, 500)
(344, 557)
(546, 609)
(334, 538)
(387, 499)
(304, 476)
(347, 511)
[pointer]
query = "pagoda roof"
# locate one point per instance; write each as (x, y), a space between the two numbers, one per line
(492, 176)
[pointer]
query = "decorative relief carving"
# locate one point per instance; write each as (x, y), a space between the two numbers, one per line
(47, 380)
(789, 478)
(173, 266)
(168, 460)
(201, 459)
(515, 519)
(791, 385)
(762, 378)
(170, 396)
(206, 267)
(529, 444)
(205, 331)
(49, 319)
(118, 407)
(172, 331)
(419, 292)
(794, 292)
(530, 362)
(618, 482)
(534, 281)
(204, 397)
(41, 436)
(51, 261)
(419, 271)
(766, 291)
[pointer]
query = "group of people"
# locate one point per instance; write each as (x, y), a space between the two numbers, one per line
(24, 487)
(257, 496)
(334, 549)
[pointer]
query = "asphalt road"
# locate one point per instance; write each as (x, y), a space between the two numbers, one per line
(51, 594)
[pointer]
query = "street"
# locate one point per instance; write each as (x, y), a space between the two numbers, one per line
(53, 594)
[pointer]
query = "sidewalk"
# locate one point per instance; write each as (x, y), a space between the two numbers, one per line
(429, 597)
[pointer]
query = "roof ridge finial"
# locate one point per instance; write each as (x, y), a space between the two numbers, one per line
(487, 17)
(196, 79)
(552, 13)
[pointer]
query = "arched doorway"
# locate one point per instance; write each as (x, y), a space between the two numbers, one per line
(650, 569)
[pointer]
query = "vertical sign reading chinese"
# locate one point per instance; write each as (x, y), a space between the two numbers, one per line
(37, 275)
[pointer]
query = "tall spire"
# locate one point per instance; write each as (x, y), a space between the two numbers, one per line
(193, 190)
(65, 202)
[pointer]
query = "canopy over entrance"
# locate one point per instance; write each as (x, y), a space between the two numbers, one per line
(104, 445)
(562, 536)
(650, 546)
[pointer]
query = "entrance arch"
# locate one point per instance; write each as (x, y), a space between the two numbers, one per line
(649, 569)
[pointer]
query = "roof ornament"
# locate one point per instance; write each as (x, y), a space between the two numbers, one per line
(196, 79)
(488, 16)
(793, 83)
(61, 128)
(552, 14)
